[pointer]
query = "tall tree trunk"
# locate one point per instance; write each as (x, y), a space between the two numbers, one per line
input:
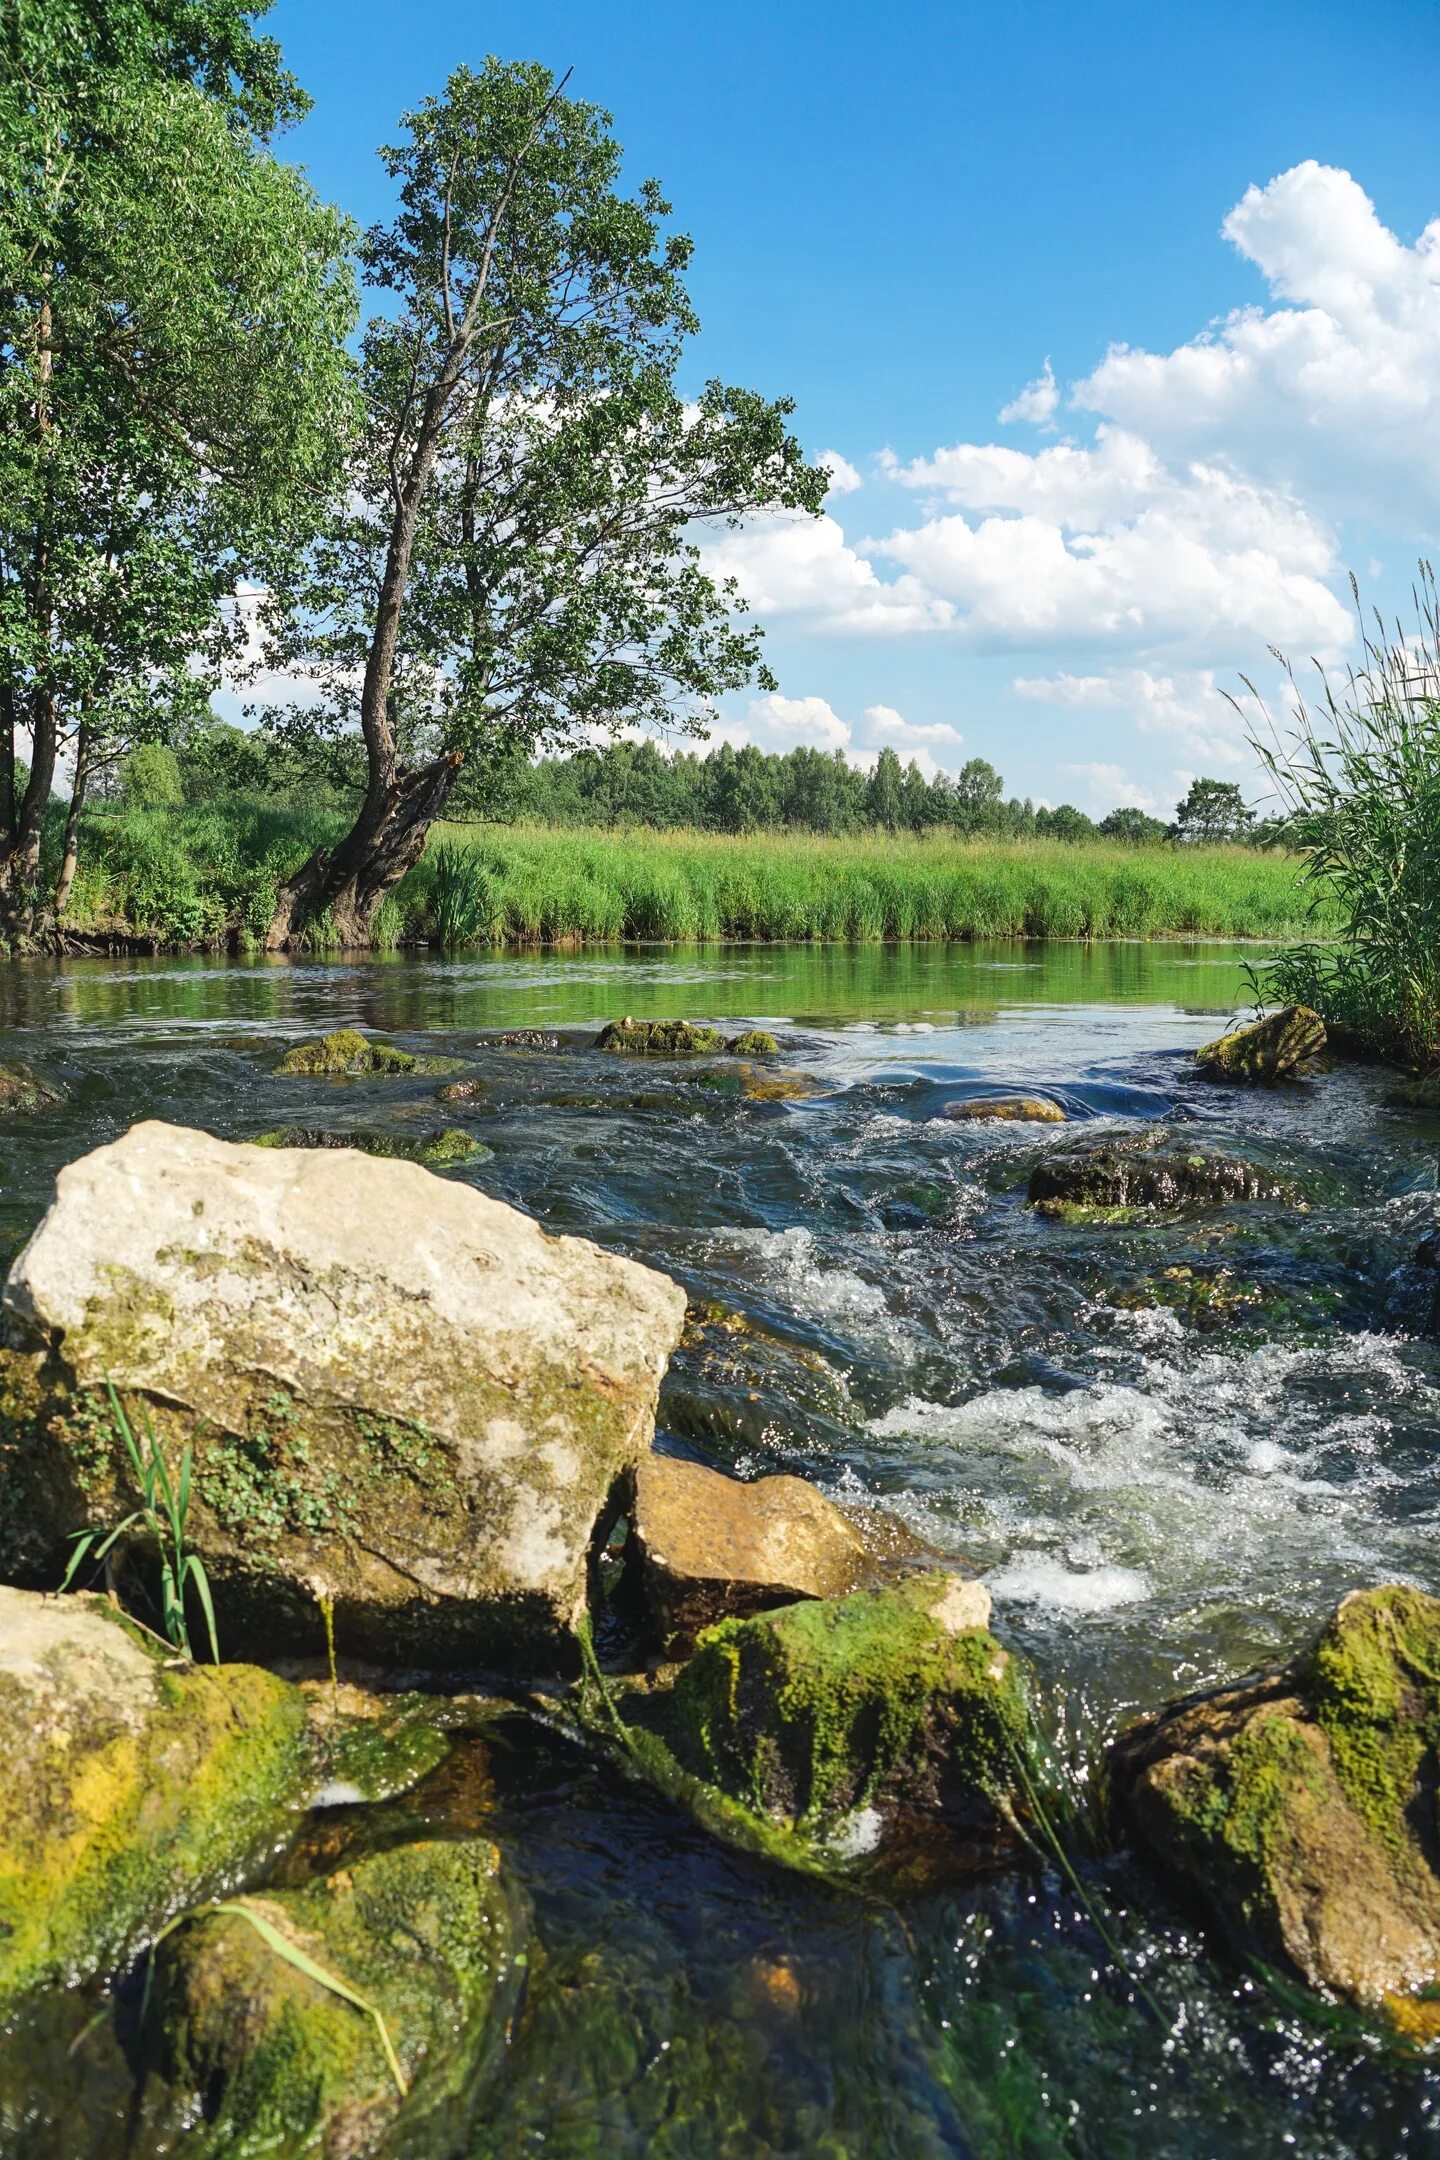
(7, 771)
(348, 883)
(70, 855)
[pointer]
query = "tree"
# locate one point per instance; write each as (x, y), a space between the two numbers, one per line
(885, 792)
(1213, 811)
(173, 305)
(979, 790)
(1136, 826)
(519, 563)
(1064, 822)
(150, 778)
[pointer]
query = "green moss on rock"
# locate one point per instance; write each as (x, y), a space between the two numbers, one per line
(1276, 1047)
(659, 1038)
(450, 1144)
(811, 1732)
(426, 1932)
(22, 1092)
(753, 1042)
(1302, 1804)
(347, 1051)
(134, 1784)
(1150, 1171)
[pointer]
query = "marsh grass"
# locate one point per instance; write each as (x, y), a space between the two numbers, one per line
(207, 875)
(1357, 772)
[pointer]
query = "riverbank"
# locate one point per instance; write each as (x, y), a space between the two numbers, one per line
(205, 877)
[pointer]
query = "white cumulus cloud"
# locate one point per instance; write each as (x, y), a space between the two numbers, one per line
(844, 479)
(1037, 401)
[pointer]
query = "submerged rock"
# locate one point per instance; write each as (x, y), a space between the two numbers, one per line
(427, 1933)
(449, 1145)
(1015, 1109)
(1301, 1805)
(753, 1042)
(402, 1396)
(347, 1051)
(135, 1783)
(710, 1547)
(1422, 1092)
(819, 1731)
(462, 1091)
(1276, 1047)
(21, 1092)
(1150, 1172)
(525, 1039)
(659, 1038)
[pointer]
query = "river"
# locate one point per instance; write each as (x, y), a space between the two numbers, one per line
(1168, 1449)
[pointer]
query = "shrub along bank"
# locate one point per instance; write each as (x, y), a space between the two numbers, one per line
(206, 875)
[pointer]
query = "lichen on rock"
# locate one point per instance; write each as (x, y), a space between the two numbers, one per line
(1301, 1805)
(347, 1051)
(134, 1784)
(1278, 1046)
(429, 1933)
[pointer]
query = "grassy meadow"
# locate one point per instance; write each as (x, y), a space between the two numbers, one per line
(206, 876)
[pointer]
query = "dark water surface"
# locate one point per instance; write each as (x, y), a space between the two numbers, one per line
(1169, 1450)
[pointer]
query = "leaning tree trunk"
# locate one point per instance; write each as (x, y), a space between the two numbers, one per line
(348, 883)
(70, 854)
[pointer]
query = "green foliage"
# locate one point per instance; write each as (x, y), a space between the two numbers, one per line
(463, 899)
(1213, 811)
(1358, 774)
(150, 778)
(1130, 824)
(163, 1512)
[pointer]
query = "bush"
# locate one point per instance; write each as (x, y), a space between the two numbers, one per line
(150, 778)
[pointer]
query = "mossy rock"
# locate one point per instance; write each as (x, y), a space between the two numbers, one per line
(451, 1144)
(659, 1038)
(382, 1749)
(462, 1091)
(1301, 1805)
(1276, 1047)
(753, 1042)
(348, 1052)
(1008, 1109)
(1422, 1092)
(23, 1092)
(1163, 1171)
(819, 1732)
(135, 1784)
(428, 1933)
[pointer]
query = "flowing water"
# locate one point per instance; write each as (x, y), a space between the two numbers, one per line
(1169, 1450)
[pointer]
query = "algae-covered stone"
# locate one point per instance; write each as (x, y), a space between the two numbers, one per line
(659, 1038)
(1275, 1047)
(1011, 1109)
(402, 1396)
(1302, 1804)
(450, 1144)
(428, 1933)
(456, 1091)
(818, 1731)
(1150, 1171)
(710, 1547)
(134, 1784)
(347, 1051)
(22, 1091)
(753, 1042)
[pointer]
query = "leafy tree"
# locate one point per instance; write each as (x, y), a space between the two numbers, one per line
(1064, 822)
(519, 564)
(885, 792)
(1213, 810)
(979, 790)
(173, 305)
(1132, 825)
(150, 778)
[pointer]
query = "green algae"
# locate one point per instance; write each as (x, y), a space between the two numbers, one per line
(346, 1052)
(427, 1932)
(436, 1150)
(659, 1038)
(23, 1093)
(1273, 1048)
(1375, 1675)
(753, 1042)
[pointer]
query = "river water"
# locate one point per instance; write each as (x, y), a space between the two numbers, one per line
(1168, 1449)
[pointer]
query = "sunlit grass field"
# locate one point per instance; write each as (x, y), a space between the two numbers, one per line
(201, 875)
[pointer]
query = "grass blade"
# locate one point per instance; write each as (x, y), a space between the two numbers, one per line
(194, 1571)
(294, 1955)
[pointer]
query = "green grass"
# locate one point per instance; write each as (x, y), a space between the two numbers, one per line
(198, 876)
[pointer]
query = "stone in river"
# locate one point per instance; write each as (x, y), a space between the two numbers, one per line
(402, 1396)
(1276, 1047)
(1301, 1806)
(712, 1546)
(1149, 1171)
(21, 1092)
(1017, 1109)
(659, 1038)
(135, 1784)
(348, 1052)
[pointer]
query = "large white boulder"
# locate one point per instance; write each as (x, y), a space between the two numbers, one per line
(403, 1397)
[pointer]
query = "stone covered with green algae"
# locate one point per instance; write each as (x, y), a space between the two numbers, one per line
(134, 1784)
(1302, 1805)
(22, 1092)
(405, 1399)
(449, 1144)
(428, 1932)
(1276, 1047)
(817, 1732)
(347, 1051)
(1148, 1171)
(659, 1038)
(753, 1042)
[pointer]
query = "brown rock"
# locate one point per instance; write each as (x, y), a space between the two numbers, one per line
(1276, 1047)
(1014, 1109)
(712, 1547)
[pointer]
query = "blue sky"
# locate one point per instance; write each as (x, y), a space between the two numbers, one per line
(904, 217)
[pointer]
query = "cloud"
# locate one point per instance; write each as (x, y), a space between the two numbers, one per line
(1189, 705)
(884, 720)
(780, 723)
(797, 566)
(844, 479)
(1110, 787)
(1036, 402)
